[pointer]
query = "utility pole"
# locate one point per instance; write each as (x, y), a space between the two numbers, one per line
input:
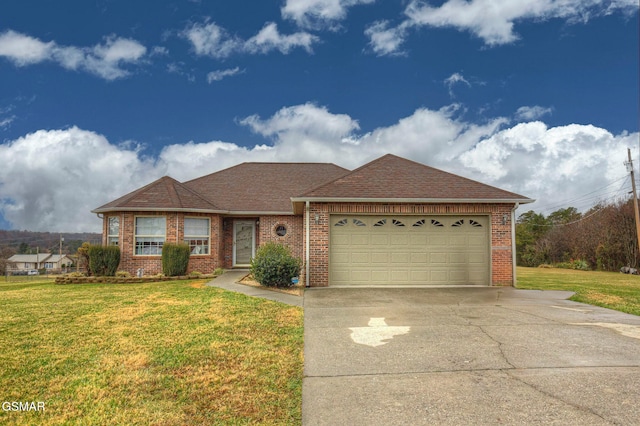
(635, 195)
(60, 253)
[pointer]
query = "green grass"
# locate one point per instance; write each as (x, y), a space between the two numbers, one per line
(170, 353)
(607, 289)
(26, 279)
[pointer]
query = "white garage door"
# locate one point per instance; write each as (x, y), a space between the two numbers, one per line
(409, 250)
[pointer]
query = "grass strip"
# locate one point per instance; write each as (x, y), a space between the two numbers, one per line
(612, 290)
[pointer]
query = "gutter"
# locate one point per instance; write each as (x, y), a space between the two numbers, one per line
(307, 283)
(188, 210)
(414, 200)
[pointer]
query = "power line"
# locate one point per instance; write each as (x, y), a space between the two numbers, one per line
(603, 203)
(588, 197)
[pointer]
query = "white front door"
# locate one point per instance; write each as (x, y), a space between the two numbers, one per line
(244, 242)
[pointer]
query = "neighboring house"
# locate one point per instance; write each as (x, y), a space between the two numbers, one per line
(48, 261)
(390, 222)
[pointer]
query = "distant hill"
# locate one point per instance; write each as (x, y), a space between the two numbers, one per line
(43, 242)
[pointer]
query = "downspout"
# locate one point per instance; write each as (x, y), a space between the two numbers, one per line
(104, 238)
(513, 241)
(306, 261)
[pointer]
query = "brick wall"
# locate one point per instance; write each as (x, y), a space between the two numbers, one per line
(266, 231)
(294, 237)
(174, 233)
(501, 247)
(221, 243)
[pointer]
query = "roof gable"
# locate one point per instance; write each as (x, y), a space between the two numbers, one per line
(165, 193)
(392, 177)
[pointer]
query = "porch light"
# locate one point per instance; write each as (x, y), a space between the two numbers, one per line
(505, 219)
(317, 218)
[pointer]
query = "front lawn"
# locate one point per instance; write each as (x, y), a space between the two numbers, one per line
(169, 353)
(611, 290)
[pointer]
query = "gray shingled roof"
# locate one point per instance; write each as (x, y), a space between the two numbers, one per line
(247, 187)
(263, 187)
(392, 177)
(271, 188)
(163, 194)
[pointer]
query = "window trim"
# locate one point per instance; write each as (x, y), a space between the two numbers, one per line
(185, 237)
(284, 228)
(116, 236)
(136, 236)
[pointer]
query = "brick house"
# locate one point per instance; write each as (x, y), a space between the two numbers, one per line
(392, 221)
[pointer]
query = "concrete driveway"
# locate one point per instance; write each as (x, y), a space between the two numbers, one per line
(467, 356)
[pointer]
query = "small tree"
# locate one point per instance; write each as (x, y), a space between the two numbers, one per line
(175, 259)
(274, 265)
(103, 260)
(83, 257)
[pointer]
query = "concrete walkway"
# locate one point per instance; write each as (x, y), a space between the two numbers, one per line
(229, 281)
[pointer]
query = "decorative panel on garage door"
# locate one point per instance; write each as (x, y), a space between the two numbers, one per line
(409, 250)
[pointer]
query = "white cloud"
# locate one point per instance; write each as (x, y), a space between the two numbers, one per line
(159, 51)
(304, 121)
(6, 122)
(454, 79)
(180, 68)
(218, 75)
(104, 60)
(52, 179)
(551, 164)
(6, 117)
(269, 39)
(212, 40)
(491, 21)
(531, 113)
(384, 40)
(319, 14)
(56, 191)
(24, 50)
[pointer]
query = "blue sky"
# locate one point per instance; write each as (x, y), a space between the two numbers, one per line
(98, 98)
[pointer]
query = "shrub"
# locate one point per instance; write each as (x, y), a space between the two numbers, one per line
(83, 257)
(175, 259)
(274, 265)
(123, 274)
(218, 271)
(103, 260)
(577, 264)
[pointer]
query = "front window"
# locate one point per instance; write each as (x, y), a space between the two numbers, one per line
(196, 234)
(114, 231)
(150, 235)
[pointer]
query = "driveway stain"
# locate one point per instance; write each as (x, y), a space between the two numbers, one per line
(624, 329)
(377, 333)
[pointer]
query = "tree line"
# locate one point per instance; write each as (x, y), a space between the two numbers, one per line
(602, 238)
(28, 242)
